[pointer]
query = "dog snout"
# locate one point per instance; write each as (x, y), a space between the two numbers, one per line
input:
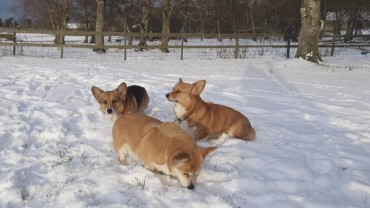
(109, 110)
(191, 186)
(167, 95)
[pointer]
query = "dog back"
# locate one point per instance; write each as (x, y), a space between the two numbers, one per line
(131, 129)
(140, 95)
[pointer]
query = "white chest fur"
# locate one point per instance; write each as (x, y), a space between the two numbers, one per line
(179, 111)
(110, 117)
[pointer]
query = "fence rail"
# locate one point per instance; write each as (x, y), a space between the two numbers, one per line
(11, 33)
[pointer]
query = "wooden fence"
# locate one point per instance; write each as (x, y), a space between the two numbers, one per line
(11, 33)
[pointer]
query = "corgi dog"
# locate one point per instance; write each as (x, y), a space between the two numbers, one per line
(161, 146)
(121, 100)
(204, 120)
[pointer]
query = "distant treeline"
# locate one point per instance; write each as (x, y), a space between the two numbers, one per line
(10, 22)
(190, 16)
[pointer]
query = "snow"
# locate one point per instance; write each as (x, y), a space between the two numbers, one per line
(312, 123)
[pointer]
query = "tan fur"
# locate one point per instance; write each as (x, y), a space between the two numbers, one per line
(121, 100)
(208, 119)
(161, 146)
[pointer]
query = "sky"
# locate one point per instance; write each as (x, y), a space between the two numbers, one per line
(312, 123)
(5, 8)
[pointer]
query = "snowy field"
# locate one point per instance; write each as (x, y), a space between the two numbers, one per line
(312, 123)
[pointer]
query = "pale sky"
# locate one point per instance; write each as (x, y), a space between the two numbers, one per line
(5, 6)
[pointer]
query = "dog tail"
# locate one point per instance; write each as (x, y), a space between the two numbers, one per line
(251, 135)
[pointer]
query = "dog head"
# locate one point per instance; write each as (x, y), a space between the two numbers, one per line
(187, 164)
(184, 95)
(111, 102)
(182, 91)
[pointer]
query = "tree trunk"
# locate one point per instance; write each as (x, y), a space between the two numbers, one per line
(64, 27)
(251, 6)
(59, 14)
(127, 29)
(145, 4)
(87, 22)
(185, 22)
(353, 24)
(53, 20)
(308, 48)
(165, 25)
(337, 24)
(99, 39)
(233, 15)
(146, 14)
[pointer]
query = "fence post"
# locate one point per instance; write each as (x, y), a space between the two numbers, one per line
(125, 49)
(61, 52)
(237, 46)
(288, 48)
(14, 41)
(182, 46)
(333, 44)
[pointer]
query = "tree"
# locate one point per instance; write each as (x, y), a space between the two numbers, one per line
(165, 25)
(99, 39)
(47, 14)
(9, 22)
(59, 16)
(310, 31)
(355, 10)
(85, 12)
(144, 22)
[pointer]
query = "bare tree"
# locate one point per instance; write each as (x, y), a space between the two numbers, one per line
(310, 31)
(85, 13)
(99, 39)
(59, 14)
(165, 25)
(355, 9)
(146, 6)
(168, 9)
(252, 11)
(144, 22)
(48, 14)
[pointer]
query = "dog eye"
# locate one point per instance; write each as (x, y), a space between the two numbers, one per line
(187, 174)
(177, 91)
(114, 101)
(105, 102)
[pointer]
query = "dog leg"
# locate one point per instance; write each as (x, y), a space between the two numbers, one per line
(242, 130)
(153, 169)
(122, 152)
(150, 167)
(218, 140)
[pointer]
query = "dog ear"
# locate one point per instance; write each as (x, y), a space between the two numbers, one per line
(96, 92)
(122, 89)
(178, 158)
(182, 156)
(206, 151)
(180, 80)
(197, 87)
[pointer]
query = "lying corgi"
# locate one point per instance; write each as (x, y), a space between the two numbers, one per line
(162, 147)
(207, 120)
(121, 100)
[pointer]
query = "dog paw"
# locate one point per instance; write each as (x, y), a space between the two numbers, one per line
(123, 162)
(218, 141)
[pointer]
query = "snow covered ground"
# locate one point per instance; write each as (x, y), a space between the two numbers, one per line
(312, 123)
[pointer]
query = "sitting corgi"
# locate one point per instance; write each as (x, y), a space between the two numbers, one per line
(162, 147)
(207, 120)
(121, 100)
